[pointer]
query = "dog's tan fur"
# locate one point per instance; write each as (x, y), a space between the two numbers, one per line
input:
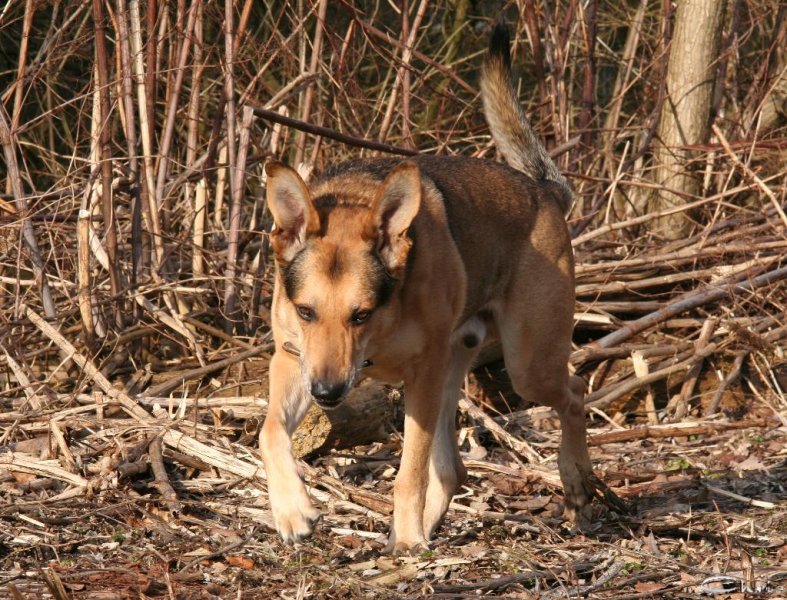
(412, 265)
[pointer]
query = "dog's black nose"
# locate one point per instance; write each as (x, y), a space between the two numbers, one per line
(328, 393)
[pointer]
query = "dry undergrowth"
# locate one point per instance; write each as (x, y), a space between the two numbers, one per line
(133, 325)
(104, 498)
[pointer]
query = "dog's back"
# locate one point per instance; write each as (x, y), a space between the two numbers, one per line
(489, 207)
(510, 130)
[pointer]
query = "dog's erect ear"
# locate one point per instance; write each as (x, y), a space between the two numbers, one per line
(393, 210)
(294, 215)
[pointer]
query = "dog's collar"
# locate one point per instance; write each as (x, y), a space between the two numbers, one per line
(290, 348)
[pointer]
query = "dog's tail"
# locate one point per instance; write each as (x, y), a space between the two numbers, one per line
(509, 126)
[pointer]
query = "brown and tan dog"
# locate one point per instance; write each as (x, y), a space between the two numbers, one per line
(404, 268)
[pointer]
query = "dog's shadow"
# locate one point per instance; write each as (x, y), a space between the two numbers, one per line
(491, 389)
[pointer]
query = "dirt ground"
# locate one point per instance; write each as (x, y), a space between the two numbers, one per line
(705, 518)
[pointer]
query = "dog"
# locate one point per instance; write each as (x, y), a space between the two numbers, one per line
(401, 270)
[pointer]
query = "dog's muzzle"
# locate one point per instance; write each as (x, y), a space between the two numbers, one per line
(327, 395)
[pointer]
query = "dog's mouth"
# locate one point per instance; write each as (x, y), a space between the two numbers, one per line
(328, 404)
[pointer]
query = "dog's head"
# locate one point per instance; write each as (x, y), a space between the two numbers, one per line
(338, 266)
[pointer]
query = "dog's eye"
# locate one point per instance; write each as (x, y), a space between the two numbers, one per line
(305, 312)
(360, 316)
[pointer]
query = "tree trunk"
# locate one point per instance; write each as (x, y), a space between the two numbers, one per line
(686, 117)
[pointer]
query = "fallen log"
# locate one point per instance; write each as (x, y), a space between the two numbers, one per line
(370, 413)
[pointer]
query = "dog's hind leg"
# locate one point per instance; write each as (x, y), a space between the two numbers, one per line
(446, 471)
(535, 331)
(293, 512)
(537, 376)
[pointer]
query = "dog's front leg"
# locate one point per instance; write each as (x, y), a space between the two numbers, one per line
(293, 512)
(422, 399)
(447, 473)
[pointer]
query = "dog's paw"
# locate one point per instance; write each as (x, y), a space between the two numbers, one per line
(579, 515)
(406, 548)
(401, 543)
(579, 490)
(295, 520)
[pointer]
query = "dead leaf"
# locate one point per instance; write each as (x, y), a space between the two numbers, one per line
(349, 541)
(509, 486)
(23, 478)
(242, 562)
(752, 463)
(532, 503)
(404, 573)
(474, 550)
(649, 586)
(688, 578)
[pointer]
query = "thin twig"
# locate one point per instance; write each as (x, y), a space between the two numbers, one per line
(161, 481)
(230, 292)
(167, 386)
(107, 202)
(275, 117)
(87, 366)
(319, 29)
